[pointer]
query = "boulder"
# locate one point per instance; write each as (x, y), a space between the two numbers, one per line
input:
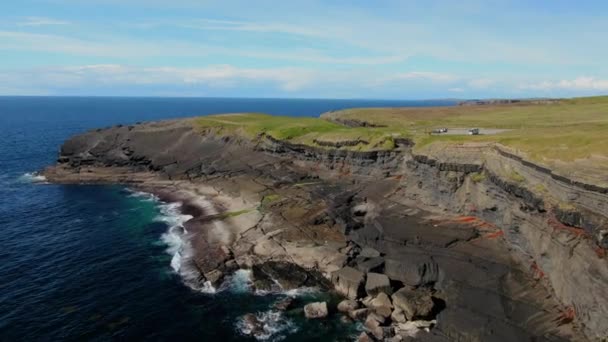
(348, 281)
(348, 305)
(283, 304)
(287, 275)
(316, 310)
(411, 328)
(373, 326)
(359, 314)
(364, 337)
(381, 304)
(416, 270)
(370, 265)
(368, 252)
(397, 316)
(252, 325)
(377, 283)
(413, 303)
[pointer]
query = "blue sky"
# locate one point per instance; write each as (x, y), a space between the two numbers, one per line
(319, 49)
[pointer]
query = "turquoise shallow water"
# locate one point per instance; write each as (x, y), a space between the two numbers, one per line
(94, 262)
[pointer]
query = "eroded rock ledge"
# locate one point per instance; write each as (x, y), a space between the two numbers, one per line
(503, 258)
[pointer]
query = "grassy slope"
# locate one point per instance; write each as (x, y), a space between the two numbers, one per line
(571, 135)
(300, 130)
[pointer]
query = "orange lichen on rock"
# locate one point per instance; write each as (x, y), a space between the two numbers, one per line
(567, 315)
(557, 225)
(537, 271)
(495, 235)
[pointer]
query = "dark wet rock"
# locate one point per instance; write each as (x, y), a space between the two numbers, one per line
(349, 282)
(413, 303)
(252, 325)
(283, 304)
(376, 283)
(287, 276)
(316, 310)
(348, 305)
(368, 252)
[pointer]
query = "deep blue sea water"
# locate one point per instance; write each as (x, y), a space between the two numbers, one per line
(92, 262)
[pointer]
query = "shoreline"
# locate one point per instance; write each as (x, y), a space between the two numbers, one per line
(394, 224)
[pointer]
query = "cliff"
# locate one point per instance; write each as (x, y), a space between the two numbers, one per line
(512, 250)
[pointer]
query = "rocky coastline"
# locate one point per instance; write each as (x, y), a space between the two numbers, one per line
(422, 247)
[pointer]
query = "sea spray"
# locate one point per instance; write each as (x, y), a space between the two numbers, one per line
(266, 325)
(32, 177)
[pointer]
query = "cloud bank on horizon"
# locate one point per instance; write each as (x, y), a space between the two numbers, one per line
(329, 49)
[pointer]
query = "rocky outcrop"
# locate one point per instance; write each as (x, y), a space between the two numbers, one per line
(316, 310)
(377, 283)
(413, 304)
(494, 257)
(349, 282)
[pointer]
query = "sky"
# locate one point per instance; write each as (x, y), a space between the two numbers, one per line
(304, 49)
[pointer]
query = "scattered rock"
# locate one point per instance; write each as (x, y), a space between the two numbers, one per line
(345, 319)
(283, 304)
(398, 316)
(413, 303)
(316, 310)
(215, 277)
(373, 326)
(288, 276)
(377, 283)
(348, 305)
(364, 337)
(411, 328)
(396, 338)
(253, 326)
(348, 281)
(359, 314)
(381, 305)
(368, 252)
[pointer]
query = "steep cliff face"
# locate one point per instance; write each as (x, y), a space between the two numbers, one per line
(554, 226)
(518, 232)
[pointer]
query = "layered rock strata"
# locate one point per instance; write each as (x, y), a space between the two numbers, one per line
(467, 237)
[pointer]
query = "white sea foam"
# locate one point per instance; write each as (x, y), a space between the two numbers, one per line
(32, 177)
(273, 326)
(145, 196)
(239, 282)
(178, 246)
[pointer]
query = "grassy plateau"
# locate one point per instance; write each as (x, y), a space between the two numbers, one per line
(571, 134)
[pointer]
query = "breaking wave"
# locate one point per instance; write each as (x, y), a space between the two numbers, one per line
(32, 177)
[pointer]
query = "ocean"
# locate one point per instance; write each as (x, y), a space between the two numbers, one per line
(82, 262)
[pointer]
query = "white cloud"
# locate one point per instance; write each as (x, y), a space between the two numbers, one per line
(577, 84)
(456, 90)
(42, 21)
(134, 48)
(290, 80)
(287, 79)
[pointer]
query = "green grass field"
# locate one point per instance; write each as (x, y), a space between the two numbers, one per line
(306, 131)
(571, 133)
